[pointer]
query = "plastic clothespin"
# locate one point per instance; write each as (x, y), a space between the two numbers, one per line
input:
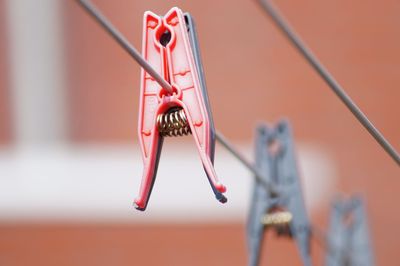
(170, 46)
(348, 237)
(284, 212)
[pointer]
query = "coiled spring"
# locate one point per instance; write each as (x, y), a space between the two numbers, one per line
(173, 123)
(277, 218)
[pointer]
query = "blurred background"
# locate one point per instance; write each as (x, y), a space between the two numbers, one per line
(70, 164)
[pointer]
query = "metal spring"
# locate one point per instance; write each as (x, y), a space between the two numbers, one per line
(173, 123)
(278, 218)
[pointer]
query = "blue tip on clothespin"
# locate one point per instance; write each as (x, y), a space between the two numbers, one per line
(284, 212)
(348, 237)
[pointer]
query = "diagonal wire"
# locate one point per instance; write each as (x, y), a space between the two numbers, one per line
(281, 23)
(224, 142)
(114, 32)
(107, 25)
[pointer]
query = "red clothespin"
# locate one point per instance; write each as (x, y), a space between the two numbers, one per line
(167, 47)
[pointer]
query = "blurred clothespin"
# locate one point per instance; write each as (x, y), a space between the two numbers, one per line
(170, 46)
(284, 212)
(348, 238)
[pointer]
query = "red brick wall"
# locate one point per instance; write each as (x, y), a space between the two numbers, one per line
(5, 115)
(194, 245)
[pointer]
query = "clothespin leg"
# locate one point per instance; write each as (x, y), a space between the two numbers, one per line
(149, 173)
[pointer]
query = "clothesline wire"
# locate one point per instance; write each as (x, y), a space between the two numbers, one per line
(120, 38)
(296, 41)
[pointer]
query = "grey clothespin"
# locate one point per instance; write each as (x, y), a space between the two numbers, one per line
(191, 28)
(285, 212)
(348, 237)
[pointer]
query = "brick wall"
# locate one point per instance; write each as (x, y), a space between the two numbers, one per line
(5, 115)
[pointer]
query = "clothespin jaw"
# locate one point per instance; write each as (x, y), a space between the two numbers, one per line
(348, 237)
(168, 44)
(285, 212)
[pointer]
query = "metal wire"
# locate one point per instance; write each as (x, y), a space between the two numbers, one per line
(109, 27)
(279, 20)
(257, 175)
